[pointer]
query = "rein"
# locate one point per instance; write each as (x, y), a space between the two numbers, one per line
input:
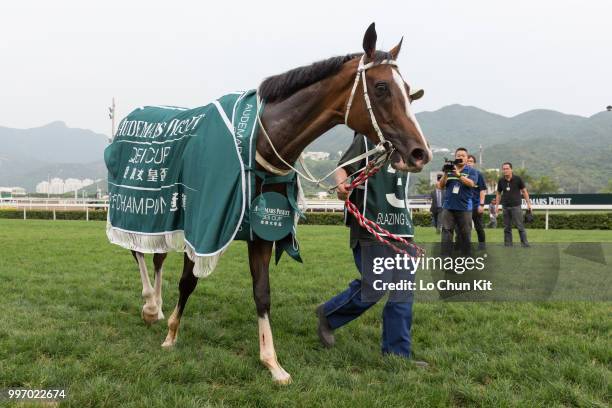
(376, 230)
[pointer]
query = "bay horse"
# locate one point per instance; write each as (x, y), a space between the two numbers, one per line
(301, 105)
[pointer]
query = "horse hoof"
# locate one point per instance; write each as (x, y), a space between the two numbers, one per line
(149, 315)
(283, 379)
(168, 343)
(280, 376)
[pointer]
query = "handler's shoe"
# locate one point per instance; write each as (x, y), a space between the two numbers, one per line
(326, 333)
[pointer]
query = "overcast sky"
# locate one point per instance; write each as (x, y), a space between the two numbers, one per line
(65, 59)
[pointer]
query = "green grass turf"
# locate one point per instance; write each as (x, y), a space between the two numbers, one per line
(70, 317)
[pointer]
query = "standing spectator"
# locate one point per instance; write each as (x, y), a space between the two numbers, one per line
(437, 199)
(492, 214)
(457, 207)
(478, 202)
(510, 188)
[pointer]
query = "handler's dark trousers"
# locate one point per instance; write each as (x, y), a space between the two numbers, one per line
(348, 305)
(514, 215)
(462, 221)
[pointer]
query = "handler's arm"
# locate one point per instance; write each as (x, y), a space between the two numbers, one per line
(340, 176)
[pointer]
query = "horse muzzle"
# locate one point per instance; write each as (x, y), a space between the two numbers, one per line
(412, 162)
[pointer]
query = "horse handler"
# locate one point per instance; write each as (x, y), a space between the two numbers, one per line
(381, 199)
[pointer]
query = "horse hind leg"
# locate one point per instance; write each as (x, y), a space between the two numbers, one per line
(158, 262)
(187, 285)
(259, 261)
(150, 310)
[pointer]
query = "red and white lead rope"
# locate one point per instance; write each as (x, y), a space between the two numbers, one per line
(373, 228)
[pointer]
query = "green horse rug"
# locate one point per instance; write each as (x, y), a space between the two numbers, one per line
(183, 180)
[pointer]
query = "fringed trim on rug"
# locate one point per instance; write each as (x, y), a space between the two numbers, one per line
(145, 243)
(204, 265)
(162, 243)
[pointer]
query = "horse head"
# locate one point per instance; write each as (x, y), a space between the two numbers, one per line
(388, 118)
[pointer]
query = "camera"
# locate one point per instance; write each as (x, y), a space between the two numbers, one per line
(449, 165)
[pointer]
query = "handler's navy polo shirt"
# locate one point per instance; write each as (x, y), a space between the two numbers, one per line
(459, 196)
(480, 186)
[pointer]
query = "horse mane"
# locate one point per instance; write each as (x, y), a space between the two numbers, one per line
(279, 87)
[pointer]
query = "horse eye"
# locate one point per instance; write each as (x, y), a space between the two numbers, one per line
(381, 88)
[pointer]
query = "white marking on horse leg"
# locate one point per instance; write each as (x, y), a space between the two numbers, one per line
(401, 84)
(173, 326)
(267, 354)
(158, 293)
(149, 310)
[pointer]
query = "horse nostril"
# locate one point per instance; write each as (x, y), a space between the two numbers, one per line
(417, 154)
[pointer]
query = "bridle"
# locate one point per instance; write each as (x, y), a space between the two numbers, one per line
(383, 148)
(383, 151)
(360, 77)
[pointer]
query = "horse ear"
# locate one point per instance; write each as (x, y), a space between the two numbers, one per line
(417, 94)
(369, 41)
(395, 50)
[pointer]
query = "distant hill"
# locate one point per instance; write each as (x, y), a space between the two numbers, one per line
(28, 156)
(53, 143)
(335, 140)
(572, 149)
(28, 180)
(459, 125)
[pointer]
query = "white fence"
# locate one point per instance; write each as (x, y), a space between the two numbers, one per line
(54, 204)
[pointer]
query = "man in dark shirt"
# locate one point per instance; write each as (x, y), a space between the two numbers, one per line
(382, 199)
(510, 188)
(457, 208)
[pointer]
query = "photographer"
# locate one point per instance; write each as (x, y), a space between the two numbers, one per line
(459, 181)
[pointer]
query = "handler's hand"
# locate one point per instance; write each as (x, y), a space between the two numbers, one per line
(480, 209)
(342, 191)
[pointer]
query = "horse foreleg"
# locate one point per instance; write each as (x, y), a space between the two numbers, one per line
(149, 310)
(158, 262)
(259, 261)
(187, 284)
